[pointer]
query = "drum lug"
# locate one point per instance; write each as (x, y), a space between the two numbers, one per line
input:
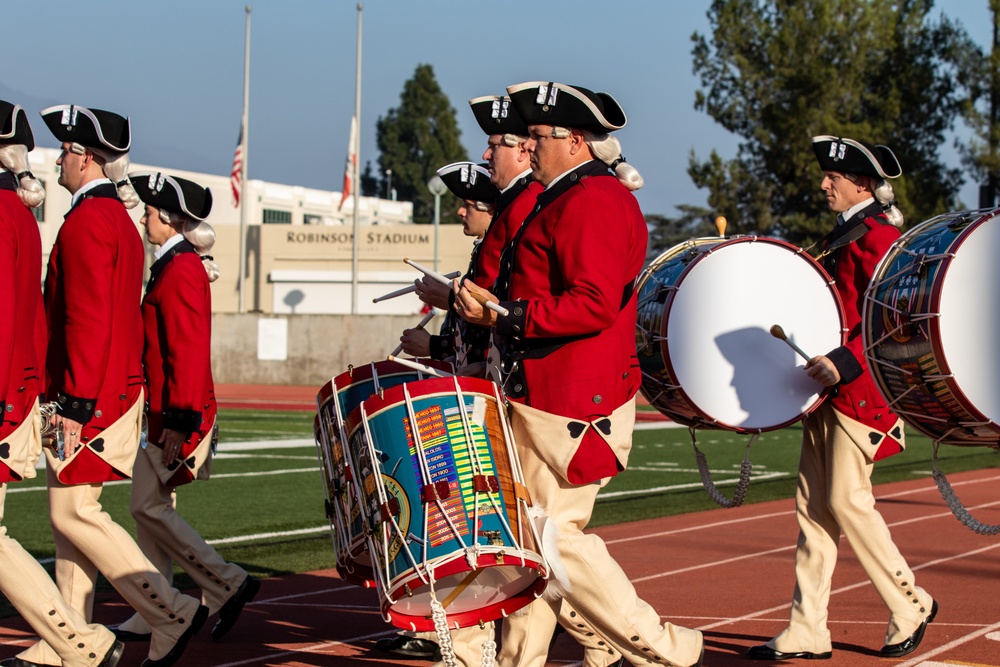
(493, 538)
(406, 589)
(499, 557)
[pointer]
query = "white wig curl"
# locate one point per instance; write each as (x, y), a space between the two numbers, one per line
(201, 235)
(14, 158)
(608, 150)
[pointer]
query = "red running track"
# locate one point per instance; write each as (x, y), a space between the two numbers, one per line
(727, 572)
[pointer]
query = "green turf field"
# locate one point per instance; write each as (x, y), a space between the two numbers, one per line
(264, 505)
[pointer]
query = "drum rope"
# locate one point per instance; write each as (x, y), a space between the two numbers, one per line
(706, 475)
(955, 505)
(490, 648)
(441, 630)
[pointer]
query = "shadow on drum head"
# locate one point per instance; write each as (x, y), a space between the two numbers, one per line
(767, 378)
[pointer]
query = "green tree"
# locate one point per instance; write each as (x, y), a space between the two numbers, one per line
(416, 139)
(369, 182)
(778, 72)
(980, 76)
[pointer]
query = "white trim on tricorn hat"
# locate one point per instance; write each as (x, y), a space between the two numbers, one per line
(14, 126)
(562, 105)
(468, 180)
(172, 193)
(855, 157)
(497, 115)
(93, 128)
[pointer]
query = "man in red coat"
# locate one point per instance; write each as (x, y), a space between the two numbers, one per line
(94, 368)
(853, 429)
(566, 360)
(22, 580)
(177, 322)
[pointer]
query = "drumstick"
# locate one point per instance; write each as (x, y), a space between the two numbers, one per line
(461, 586)
(415, 365)
(495, 307)
(424, 321)
(778, 332)
(720, 226)
(407, 290)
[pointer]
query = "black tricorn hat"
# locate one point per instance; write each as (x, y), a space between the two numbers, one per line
(550, 103)
(93, 128)
(496, 115)
(172, 193)
(14, 127)
(468, 180)
(850, 156)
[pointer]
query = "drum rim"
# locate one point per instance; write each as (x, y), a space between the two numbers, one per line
(933, 324)
(363, 372)
(700, 417)
(375, 405)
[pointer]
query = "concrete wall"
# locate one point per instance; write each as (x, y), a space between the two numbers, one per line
(318, 346)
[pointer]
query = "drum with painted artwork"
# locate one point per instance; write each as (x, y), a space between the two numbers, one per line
(931, 311)
(705, 310)
(342, 506)
(445, 504)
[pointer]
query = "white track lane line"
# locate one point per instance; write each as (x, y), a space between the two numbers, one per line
(955, 643)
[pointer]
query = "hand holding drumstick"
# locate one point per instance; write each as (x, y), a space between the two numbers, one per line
(471, 303)
(820, 368)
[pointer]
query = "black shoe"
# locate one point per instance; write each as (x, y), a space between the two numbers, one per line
(127, 636)
(411, 646)
(113, 655)
(765, 652)
(230, 612)
(910, 644)
(174, 654)
(17, 662)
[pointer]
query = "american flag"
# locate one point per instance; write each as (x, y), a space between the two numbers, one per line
(235, 176)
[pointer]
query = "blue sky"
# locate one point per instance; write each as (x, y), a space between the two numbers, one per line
(176, 68)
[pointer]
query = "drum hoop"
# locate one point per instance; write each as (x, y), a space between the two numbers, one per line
(931, 318)
(700, 415)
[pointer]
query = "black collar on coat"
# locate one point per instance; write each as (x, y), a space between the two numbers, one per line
(157, 268)
(510, 194)
(107, 190)
(8, 181)
(847, 232)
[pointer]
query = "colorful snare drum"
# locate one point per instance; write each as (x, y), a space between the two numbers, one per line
(342, 506)
(705, 309)
(930, 312)
(443, 492)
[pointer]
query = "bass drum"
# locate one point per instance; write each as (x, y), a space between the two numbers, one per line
(930, 313)
(705, 310)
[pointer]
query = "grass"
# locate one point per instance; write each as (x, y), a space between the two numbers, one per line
(265, 505)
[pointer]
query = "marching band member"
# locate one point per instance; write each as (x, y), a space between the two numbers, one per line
(177, 321)
(22, 580)
(470, 183)
(510, 170)
(566, 360)
(94, 369)
(854, 428)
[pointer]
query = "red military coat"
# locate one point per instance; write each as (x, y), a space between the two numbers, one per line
(571, 327)
(852, 267)
(93, 287)
(511, 208)
(177, 322)
(20, 304)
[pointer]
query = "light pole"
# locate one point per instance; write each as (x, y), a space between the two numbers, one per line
(437, 188)
(388, 184)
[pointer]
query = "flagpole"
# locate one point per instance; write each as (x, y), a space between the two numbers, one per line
(356, 174)
(245, 139)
